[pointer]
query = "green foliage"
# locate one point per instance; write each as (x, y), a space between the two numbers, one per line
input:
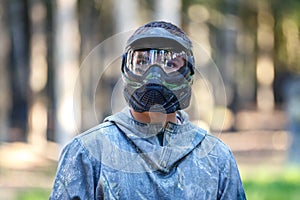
(275, 190)
(266, 185)
(33, 194)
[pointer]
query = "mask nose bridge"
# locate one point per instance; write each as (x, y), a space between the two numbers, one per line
(155, 72)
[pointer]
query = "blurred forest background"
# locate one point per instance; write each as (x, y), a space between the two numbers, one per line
(254, 43)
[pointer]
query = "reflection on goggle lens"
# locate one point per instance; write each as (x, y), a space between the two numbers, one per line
(138, 61)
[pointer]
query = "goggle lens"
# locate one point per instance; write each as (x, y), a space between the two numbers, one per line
(139, 61)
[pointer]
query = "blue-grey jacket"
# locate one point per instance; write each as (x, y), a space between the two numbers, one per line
(123, 159)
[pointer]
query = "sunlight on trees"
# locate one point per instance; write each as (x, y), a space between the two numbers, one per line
(66, 68)
(265, 63)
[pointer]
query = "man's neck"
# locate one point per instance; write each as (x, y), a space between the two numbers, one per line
(154, 117)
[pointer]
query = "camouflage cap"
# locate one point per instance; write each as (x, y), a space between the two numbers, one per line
(159, 35)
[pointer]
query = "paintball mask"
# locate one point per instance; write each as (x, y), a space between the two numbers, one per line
(157, 70)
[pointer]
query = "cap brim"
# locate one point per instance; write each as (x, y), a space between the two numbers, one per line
(157, 42)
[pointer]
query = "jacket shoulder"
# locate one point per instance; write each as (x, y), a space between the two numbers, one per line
(213, 146)
(95, 139)
(100, 128)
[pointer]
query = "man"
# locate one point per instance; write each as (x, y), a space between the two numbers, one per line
(150, 150)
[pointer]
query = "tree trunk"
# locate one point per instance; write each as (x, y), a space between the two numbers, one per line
(168, 10)
(126, 15)
(38, 75)
(4, 75)
(66, 48)
(19, 69)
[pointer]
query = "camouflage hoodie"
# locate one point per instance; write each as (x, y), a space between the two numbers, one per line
(124, 159)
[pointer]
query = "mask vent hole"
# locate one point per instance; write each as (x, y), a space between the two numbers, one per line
(153, 97)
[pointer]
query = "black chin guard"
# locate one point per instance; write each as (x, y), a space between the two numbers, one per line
(157, 98)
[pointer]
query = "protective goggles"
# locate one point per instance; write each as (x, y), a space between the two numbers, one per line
(139, 61)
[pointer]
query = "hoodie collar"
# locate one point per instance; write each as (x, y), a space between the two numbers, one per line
(179, 139)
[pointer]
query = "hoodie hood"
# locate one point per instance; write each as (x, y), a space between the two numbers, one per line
(178, 141)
